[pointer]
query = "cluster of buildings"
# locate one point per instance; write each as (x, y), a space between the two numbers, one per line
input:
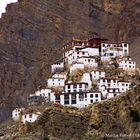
(93, 85)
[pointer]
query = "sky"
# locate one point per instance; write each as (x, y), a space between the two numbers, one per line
(3, 4)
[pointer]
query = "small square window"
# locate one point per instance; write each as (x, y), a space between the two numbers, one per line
(91, 95)
(96, 95)
(91, 101)
(96, 100)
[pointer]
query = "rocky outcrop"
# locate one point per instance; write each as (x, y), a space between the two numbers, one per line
(31, 31)
(117, 118)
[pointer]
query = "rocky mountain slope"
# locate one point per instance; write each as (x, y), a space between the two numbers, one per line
(117, 119)
(32, 31)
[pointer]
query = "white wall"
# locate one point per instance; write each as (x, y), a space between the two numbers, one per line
(108, 83)
(92, 51)
(97, 75)
(32, 117)
(60, 75)
(88, 98)
(75, 87)
(57, 67)
(16, 113)
(76, 66)
(56, 82)
(111, 95)
(87, 79)
(124, 86)
(128, 65)
(88, 61)
(43, 92)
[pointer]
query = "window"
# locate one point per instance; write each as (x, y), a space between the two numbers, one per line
(66, 97)
(68, 86)
(96, 100)
(129, 62)
(115, 95)
(66, 102)
(111, 54)
(91, 95)
(85, 95)
(96, 95)
(30, 116)
(91, 101)
(73, 99)
(69, 90)
(129, 66)
(80, 90)
(83, 53)
(25, 116)
(125, 45)
(80, 85)
(88, 60)
(57, 97)
(81, 97)
(73, 102)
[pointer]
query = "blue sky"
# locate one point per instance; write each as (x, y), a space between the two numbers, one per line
(3, 4)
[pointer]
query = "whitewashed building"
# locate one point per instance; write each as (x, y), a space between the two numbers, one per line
(78, 99)
(56, 82)
(88, 61)
(57, 67)
(92, 51)
(87, 79)
(97, 74)
(16, 113)
(75, 87)
(75, 66)
(47, 93)
(108, 82)
(72, 57)
(124, 85)
(112, 50)
(30, 117)
(112, 83)
(112, 92)
(127, 65)
(60, 75)
(44, 92)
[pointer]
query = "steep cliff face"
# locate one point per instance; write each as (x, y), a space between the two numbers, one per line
(32, 33)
